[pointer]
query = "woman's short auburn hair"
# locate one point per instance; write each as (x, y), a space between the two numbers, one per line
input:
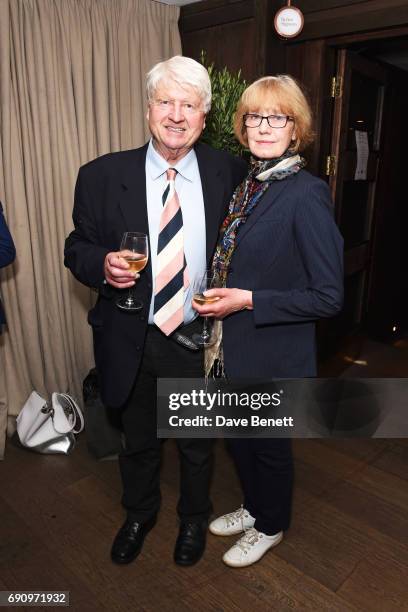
(282, 93)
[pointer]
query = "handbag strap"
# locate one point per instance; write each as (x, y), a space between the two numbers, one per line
(77, 412)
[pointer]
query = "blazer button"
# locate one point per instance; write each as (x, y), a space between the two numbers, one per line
(143, 318)
(149, 285)
(138, 348)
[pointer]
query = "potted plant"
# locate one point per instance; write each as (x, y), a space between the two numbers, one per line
(227, 88)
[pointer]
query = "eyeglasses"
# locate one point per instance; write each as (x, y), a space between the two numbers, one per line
(274, 121)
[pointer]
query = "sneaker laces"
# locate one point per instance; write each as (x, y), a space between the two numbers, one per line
(237, 515)
(249, 539)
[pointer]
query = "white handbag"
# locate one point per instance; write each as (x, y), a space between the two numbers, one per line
(49, 428)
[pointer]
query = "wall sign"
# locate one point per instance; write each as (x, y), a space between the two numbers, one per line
(362, 155)
(289, 21)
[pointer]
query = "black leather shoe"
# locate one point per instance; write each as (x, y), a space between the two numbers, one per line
(129, 540)
(190, 543)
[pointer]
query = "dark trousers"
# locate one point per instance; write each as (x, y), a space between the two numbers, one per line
(140, 460)
(265, 468)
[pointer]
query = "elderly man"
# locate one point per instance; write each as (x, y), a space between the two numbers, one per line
(129, 191)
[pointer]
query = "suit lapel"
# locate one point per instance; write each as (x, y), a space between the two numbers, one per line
(213, 190)
(265, 204)
(132, 200)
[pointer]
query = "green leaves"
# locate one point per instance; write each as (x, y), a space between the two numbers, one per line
(227, 89)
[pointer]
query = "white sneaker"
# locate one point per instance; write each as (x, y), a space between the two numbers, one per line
(232, 523)
(250, 548)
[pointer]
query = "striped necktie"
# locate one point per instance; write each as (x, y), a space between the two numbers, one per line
(171, 267)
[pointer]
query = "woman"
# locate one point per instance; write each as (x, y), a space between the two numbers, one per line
(7, 253)
(281, 254)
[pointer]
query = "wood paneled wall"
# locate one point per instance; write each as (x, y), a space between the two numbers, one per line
(240, 33)
(234, 33)
(334, 17)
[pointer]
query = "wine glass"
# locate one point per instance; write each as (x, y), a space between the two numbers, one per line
(200, 285)
(135, 250)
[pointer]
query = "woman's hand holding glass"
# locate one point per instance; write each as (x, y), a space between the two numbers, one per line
(227, 302)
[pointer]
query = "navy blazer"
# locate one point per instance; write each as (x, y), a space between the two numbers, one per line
(7, 251)
(110, 198)
(290, 254)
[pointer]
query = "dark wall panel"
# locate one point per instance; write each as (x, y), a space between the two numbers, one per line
(323, 19)
(388, 295)
(237, 54)
(202, 15)
(234, 33)
(333, 17)
(311, 6)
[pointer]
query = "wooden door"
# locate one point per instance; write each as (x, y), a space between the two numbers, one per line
(358, 107)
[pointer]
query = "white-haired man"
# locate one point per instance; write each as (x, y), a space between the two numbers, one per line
(176, 190)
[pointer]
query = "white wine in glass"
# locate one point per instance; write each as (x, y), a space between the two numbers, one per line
(135, 250)
(136, 262)
(200, 298)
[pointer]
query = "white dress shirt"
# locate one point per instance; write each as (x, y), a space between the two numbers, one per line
(190, 194)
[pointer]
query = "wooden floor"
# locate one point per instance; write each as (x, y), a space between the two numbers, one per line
(347, 548)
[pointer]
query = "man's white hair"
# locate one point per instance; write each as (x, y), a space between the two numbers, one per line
(184, 71)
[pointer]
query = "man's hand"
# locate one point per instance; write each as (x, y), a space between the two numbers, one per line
(117, 272)
(229, 301)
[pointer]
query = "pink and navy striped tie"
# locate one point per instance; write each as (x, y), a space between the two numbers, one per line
(171, 268)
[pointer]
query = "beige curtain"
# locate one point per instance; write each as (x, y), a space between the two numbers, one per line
(71, 88)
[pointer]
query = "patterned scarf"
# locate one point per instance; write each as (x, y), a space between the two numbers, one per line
(244, 200)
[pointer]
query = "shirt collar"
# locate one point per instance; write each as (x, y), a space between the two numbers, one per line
(157, 165)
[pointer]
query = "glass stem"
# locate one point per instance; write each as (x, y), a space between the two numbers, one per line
(205, 329)
(129, 300)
